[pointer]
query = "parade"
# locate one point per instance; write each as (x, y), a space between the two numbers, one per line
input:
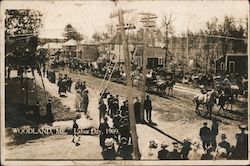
(138, 89)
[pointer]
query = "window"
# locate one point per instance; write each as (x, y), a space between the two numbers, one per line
(222, 66)
(160, 61)
(112, 47)
(231, 67)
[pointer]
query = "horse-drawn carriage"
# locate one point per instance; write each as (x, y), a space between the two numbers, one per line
(154, 81)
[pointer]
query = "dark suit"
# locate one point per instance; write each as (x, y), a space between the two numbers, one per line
(148, 108)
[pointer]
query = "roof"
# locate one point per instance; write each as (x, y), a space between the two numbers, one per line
(239, 54)
(151, 50)
(117, 39)
(236, 55)
(87, 42)
(70, 42)
(52, 45)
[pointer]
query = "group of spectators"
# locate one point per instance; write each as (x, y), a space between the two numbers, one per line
(228, 151)
(204, 148)
(82, 98)
(119, 132)
(64, 84)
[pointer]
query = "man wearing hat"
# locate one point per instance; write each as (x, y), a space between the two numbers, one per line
(114, 108)
(124, 108)
(108, 152)
(137, 109)
(224, 143)
(110, 103)
(205, 135)
(148, 108)
(185, 149)
(214, 132)
(163, 153)
(102, 110)
(85, 101)
(49, 115)
(242, 143)
(103, 131)
(124, 149)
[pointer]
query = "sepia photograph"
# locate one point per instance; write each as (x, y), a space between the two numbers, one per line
(124, 82)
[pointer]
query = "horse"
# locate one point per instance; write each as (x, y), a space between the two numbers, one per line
(207, 100)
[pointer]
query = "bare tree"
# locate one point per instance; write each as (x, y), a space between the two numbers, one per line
(167, 26)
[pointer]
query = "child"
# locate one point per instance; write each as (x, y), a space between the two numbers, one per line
(75, 132)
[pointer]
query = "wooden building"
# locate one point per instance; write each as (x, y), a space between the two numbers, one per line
(232, 63)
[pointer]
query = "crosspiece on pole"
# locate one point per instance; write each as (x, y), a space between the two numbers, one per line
(127, 26)
(116, 14)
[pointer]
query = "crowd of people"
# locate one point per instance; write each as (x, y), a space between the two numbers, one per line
(64, 84)
(82, 98)
(203, 148)
(109, 107)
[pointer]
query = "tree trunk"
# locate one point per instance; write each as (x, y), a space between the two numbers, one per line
(21, 86)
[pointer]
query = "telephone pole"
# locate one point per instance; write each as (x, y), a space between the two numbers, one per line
(122, 27)
(147, 18)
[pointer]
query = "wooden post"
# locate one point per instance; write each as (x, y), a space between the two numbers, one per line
(136, 152)
(144, 62)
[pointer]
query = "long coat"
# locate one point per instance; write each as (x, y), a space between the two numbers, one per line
(78, 99)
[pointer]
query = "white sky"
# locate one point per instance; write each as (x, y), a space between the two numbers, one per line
(90, 16)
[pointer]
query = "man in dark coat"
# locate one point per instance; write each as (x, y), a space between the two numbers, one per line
(137, 109)
(110, 103)
(114, 108)
(69, 84)
(49, 115)
(103, 131)
(85, 101)
(163, 153)
(214, 132)
(116, 119)
(124, 108)
(124, 149)
(242, 143)
(148, 108)
(185, 149)
(108, 152)
(205, 135)
(224, 143)
(102, 110)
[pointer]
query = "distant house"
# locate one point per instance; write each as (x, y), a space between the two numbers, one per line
(155, 56)
(112, 47)
(69, 48)
(52, 48)
(44, 40)
(232, 63)
(87, 51)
